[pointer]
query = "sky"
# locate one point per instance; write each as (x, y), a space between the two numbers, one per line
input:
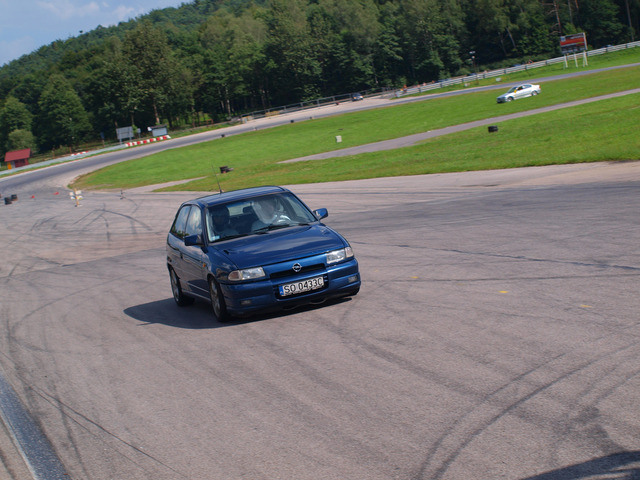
(27, 25)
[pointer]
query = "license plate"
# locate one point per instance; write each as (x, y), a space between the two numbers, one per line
(303, 286)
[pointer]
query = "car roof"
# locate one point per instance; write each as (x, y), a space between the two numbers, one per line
(225, 197)
(519, 85)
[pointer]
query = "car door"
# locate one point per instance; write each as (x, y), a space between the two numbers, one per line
(193, 256)
(175, 241)
(524, 91)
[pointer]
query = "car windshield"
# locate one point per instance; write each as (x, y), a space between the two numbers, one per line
(256, 215)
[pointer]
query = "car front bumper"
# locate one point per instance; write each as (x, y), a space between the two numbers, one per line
(244, 299)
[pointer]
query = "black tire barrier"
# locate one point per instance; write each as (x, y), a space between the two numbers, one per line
(14, 197)
(7, 200)
(493, 128)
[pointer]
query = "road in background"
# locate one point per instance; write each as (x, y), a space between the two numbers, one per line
(91, 161)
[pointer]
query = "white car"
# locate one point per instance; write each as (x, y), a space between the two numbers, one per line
(519, 91)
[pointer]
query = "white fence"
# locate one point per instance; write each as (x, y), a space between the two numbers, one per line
(504, 71)
(320, 102)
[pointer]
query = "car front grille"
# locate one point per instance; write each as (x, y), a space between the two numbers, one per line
(289, 272)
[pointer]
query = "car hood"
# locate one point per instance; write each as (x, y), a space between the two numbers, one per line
(281, 245)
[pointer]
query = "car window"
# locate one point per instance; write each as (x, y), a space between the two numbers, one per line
(247, 216)
(194, 223)
(296, 210)
(285, 205)
(179, 227)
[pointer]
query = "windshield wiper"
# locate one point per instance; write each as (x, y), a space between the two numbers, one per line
(268, 228)
(229, 237)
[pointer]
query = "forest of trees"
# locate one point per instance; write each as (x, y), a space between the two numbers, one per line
(220, 58)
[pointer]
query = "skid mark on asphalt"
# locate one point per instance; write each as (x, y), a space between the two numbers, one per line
(522, 389)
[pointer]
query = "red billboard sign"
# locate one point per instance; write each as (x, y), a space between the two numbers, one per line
(574, 43)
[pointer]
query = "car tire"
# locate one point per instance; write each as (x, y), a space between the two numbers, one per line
(534, 93)
(509, 99)
(217, 302)
(181, 299)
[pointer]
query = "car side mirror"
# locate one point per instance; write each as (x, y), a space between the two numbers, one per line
(192, 240)
(321, 213)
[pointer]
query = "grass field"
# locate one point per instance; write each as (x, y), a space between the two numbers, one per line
(603, 130)
(618, 58)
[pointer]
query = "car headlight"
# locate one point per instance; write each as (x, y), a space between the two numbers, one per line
(339, 255)
(246, 274)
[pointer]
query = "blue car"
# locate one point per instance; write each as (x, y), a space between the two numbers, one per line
(256, 250)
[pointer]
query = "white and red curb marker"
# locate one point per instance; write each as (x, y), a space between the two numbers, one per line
(148, 140)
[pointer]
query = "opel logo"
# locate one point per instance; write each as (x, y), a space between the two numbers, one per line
(297, 267)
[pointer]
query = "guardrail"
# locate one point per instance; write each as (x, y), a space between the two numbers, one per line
(296, 107)
(467, 79)
(393, 93)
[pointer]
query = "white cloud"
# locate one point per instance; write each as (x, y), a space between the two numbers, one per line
(66, 10)
(123, 13)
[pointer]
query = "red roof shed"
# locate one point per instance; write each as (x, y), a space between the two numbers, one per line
(17, 158)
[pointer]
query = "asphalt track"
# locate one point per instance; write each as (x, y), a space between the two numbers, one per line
(496, 336)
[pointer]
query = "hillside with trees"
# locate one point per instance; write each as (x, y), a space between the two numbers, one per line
(215, 59)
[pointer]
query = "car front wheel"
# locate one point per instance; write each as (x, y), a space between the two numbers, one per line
(217, 302)
(509, 99)
(181, 299)
(534, 93)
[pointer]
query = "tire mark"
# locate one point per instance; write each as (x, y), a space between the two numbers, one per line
(501, 402)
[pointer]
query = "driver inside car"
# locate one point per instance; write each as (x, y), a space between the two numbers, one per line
(268, 214)
(219, 225)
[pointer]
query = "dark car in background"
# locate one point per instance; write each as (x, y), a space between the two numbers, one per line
(255, 250)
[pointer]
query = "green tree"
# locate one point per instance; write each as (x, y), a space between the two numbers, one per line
(513, 28)
(292, 66)
(233, 60)
(350, 43)
(147, 52)
(116, 96)
(388, 57)
(630, 17)
(28, 88)
(599, 18)
(432, 49)
(533, 35)
(13, 116)
(247, 55)
(492, 28)
(63, 119)
(216, 38)
(19, 139)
